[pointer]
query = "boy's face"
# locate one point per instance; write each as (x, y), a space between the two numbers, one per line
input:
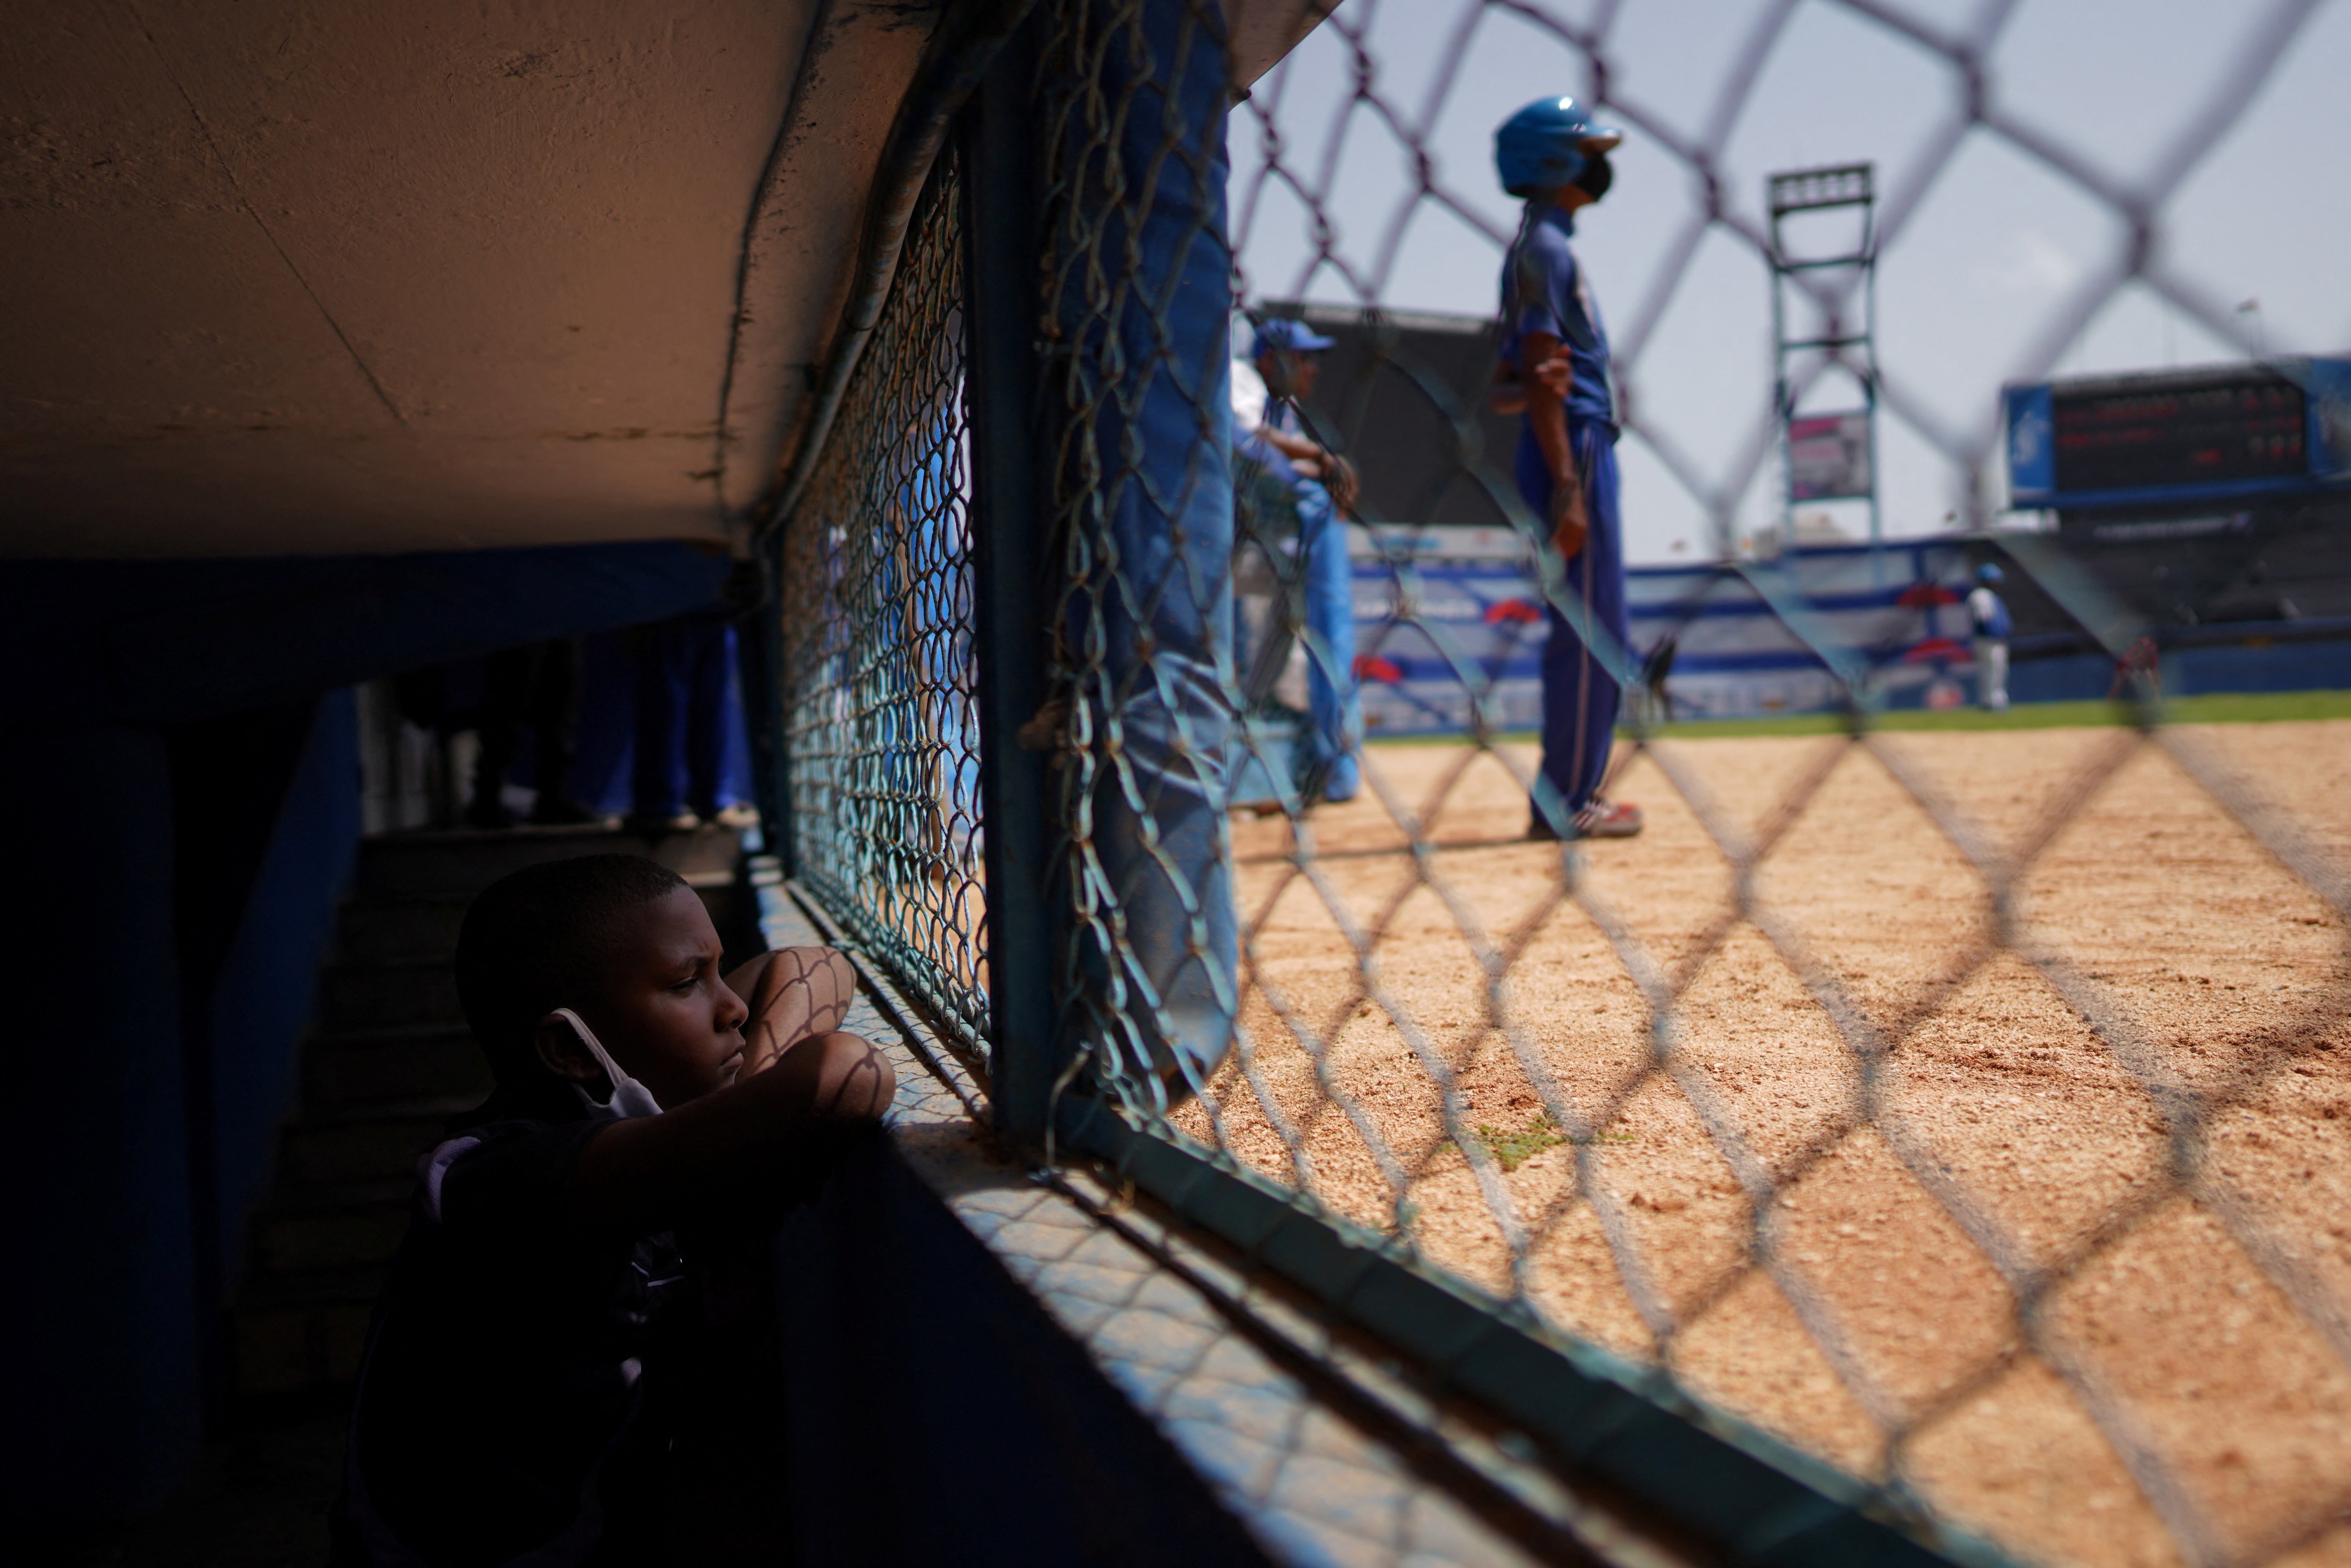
(660, 1007)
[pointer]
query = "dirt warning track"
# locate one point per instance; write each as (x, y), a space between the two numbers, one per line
(2168, 1191)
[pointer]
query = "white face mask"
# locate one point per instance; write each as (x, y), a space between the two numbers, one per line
(630, 1098)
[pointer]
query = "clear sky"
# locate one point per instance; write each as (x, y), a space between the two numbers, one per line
(1988, 267)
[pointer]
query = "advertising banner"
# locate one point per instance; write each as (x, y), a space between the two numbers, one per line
(1828, 458)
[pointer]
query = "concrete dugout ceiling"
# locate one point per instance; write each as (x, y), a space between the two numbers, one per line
(289, 277)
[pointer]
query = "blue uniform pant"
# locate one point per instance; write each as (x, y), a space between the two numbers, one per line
(683, 667)
(1334, 708)
(1580, 693)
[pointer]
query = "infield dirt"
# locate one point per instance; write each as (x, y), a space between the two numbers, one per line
(1888, 1337)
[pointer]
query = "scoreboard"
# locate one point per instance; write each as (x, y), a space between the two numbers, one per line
(2216, 434)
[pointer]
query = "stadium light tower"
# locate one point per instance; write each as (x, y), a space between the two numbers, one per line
(1828, 456)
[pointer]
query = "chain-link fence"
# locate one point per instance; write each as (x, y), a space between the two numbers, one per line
(1963, 1107)
(879, 737)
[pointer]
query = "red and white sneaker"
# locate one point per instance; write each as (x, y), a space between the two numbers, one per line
(1608, 819)
(1600, 820)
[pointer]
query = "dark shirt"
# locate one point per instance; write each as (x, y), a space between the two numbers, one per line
(514, 1401)
(1543, 291)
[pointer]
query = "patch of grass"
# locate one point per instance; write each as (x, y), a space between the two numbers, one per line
(1513, 1147)
(2214, 707)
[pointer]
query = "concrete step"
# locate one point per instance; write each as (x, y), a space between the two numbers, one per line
(393, 930)
(365, 1066)
(404, 995)
(370, 1142)
(459, 863)
(327, 1229)
(303, 1334)
(275, 1292)
(299, 1349)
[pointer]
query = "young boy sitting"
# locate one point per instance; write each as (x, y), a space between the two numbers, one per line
(522, 1387)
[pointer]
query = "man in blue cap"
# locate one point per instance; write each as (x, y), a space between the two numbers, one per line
(1555, 369)
(1269, 432)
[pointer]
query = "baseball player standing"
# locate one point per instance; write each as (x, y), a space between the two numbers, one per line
(1269, 434)
(1992, 624)
(1550, 155)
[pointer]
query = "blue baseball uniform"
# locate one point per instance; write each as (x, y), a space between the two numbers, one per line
(1543, 291)
(1333, 696)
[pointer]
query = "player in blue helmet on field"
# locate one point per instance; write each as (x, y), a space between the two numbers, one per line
(1555, 368)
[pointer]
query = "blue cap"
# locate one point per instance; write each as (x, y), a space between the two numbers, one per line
(1542, 146)
(1989, 573)
(1282, 332)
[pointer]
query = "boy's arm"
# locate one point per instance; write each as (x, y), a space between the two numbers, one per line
(793, 993)
(751, 1149)
(1297, 448)
(1547, 417)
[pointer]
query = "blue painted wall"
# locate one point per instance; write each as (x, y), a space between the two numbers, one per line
(2190, 672)
(262, 1000)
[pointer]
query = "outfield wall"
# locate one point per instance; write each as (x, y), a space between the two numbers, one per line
(1431, 603)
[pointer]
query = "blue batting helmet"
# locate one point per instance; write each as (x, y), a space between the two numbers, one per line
(1988, 574)
(1541, 147)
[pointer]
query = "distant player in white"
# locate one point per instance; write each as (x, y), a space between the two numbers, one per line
(1989, 614)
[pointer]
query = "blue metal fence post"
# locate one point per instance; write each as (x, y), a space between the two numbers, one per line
(1015, 588)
